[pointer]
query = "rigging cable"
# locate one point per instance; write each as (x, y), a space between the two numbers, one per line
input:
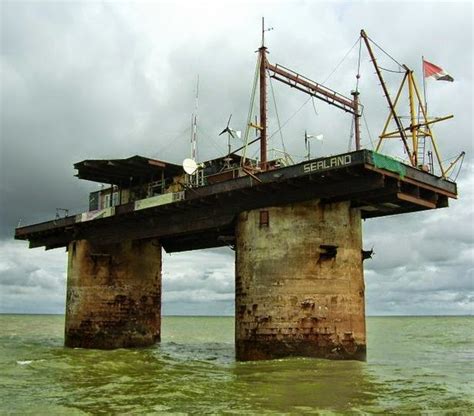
(277, 116)
(291, 117)
(205, 133)
(358, 64)
(169, 142)
(386, 53)
(327, 78)
(341, 61)
(351, 134)
(314, 106)
(449, 159)
(459, 170)
(355, 119)
(251, 107)
(391, 70)
(368, 131)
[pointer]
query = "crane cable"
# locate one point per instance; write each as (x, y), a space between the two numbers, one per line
(459, 170)
(277, 117)
(386, 53)
(341, 61)
(391, 70)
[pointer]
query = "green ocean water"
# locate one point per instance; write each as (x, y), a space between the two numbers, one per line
(416, 365)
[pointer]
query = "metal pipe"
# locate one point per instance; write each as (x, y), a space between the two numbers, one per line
(355, 94)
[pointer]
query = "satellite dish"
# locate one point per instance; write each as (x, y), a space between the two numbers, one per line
(189, 166)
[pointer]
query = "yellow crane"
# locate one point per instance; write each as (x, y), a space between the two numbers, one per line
(415, 135)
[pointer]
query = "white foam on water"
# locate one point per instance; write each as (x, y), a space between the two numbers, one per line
(26, 362)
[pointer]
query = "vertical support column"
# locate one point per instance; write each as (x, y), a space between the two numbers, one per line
(113, 294)
(355, 94)
(299, 282)
(263, 105)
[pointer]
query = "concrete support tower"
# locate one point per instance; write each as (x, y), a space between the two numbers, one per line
(113, 294)
(299, 282)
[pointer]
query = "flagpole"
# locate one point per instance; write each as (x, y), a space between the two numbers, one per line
(424, 82)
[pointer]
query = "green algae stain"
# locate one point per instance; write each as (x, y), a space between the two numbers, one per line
(388, 163)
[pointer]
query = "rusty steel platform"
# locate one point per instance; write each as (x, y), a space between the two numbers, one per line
(376, 184)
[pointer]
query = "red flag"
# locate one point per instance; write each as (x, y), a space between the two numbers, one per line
(431, 70)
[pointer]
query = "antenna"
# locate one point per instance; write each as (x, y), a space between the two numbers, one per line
(189, 166)
(264, 30)
(194, 123)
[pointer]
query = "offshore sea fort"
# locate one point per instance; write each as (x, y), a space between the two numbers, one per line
(415, 366)
(296, 228)
(300, 294)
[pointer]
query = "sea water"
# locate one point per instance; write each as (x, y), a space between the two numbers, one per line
(415, 365)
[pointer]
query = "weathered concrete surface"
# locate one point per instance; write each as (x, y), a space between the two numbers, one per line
(113, 294)
(293, 297)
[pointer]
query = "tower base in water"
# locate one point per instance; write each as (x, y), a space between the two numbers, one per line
(300, 283)
(113, 294)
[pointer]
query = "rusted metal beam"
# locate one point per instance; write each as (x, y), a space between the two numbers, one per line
(295, 80)
(423, 180)
(414, 200)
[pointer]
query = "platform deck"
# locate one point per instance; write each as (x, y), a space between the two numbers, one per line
(374, 183)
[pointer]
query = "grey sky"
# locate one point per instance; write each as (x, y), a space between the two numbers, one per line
(92, 79)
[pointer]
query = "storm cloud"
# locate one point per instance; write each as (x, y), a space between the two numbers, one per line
(82, 80)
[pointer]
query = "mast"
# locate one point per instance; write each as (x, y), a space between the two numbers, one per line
(263, 100)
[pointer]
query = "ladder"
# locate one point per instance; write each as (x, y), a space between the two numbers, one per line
(420, 157)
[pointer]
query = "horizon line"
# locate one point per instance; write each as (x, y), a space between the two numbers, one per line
(232, 316)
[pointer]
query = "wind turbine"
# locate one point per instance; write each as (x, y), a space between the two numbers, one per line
(230, 133)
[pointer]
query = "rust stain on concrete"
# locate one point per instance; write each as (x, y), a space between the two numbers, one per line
(113, 294)
(299, 283)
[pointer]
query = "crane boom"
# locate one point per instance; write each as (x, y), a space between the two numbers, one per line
(295, 80)
(400, 128)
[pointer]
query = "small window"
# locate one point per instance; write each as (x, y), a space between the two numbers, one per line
(264, 219)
